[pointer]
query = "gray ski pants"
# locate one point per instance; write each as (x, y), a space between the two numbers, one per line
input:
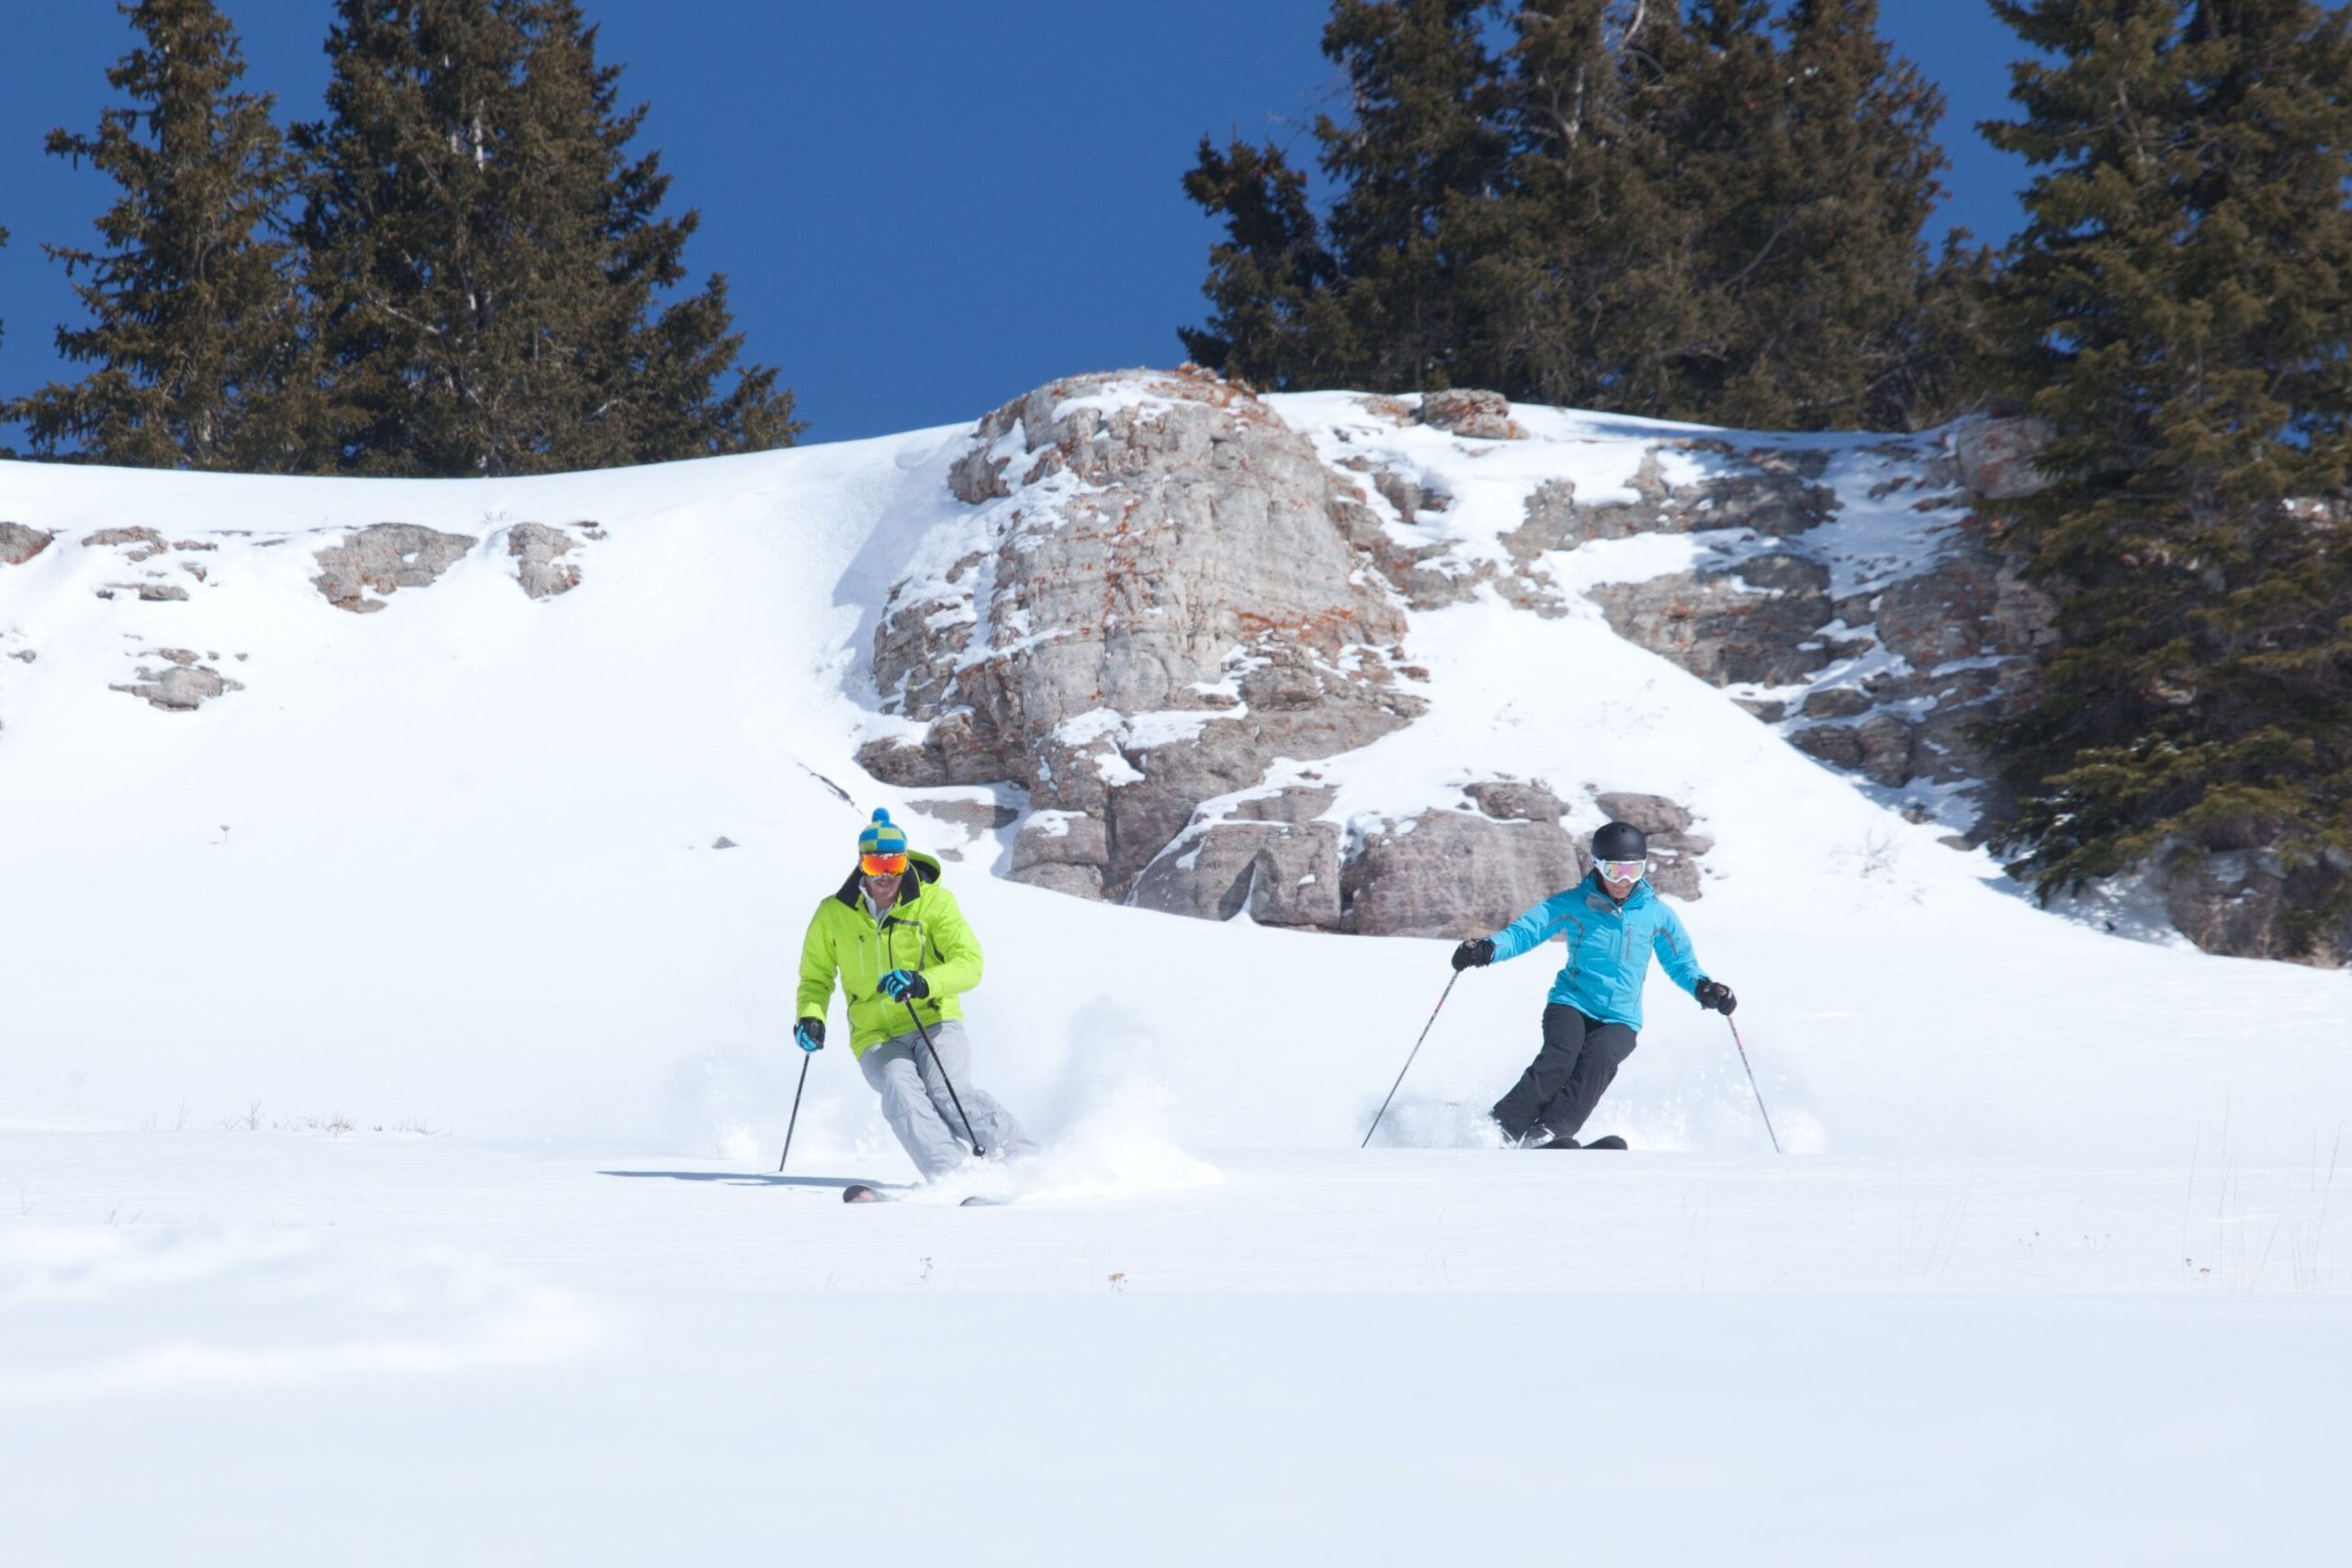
(920, 1110)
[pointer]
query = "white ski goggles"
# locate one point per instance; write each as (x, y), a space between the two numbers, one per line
(1621, 870)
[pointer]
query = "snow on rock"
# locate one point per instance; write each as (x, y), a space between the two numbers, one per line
(1170, 593)
(1155, 599)
(384, 559)
(534, 548)
(1842, 587)
(1482, 416)
(1269, 855)
(20, 544)
(140, 543)
(182, 686)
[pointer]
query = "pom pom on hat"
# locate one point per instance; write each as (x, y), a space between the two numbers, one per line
(882, 835)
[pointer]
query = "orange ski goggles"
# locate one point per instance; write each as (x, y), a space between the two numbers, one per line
(884, 865)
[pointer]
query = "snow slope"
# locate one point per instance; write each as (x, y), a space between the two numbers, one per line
(392, 1062)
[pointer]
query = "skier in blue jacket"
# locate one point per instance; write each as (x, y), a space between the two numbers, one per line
(1613, 923)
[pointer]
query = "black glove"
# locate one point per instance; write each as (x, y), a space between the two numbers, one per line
(905, 984)
(1475, 954)
(1716, 995)
(809, 1034)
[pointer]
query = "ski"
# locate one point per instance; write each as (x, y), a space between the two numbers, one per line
(861, 1192)
(1610, 1142)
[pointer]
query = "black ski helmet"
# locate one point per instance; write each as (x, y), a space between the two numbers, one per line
(1620, 840)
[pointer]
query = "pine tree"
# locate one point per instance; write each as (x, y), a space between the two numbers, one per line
(2179, 307)
(6, 451)
(1276, 321)
(1373, 296)
(1634, 208)
(487, 256)
(1418, 155)
(1811, 169)
(1578, 275)
(196, 331)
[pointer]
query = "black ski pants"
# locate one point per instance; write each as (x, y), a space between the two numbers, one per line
(1559, 1089)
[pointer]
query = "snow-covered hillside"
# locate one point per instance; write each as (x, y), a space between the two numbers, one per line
(452, 862)
(341, 1010)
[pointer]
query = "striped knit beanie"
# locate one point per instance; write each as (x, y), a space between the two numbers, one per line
(882, 835)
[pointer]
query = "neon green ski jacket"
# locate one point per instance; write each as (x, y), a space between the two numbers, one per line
(922, 930)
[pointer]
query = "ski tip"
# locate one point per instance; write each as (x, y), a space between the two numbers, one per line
(978, 1202)
(858, 1193)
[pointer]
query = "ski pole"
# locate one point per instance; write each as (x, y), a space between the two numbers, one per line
(788, 1126)
(953, 1097)
(1407, 1067)
(1751, 1084)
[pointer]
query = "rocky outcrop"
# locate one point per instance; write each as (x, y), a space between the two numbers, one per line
(534, 548)
(977, 812)
(138, 543)
(1965, 638)
(2247, 903)
(1163, 603)
(383, 558)
(1888, 683)
(1995, 456)
(1753, 621)
(20, 544)
(182, 686)
(1453, 874)
(1270, 857)
(1774, 492)
(1156, 598)
(1482, 416)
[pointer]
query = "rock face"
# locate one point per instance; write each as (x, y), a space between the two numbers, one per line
(1481, 415)
(1772, 491)
(1156, 598)
(142, 543)
(1165, 604)
(1888, 683)
(1754, 622)
(1995, 456)
(535, 547)
(182, 686)
(2247, 905)
(1965, 638)
(20, 544)
(1453, 874)
(382, 559)
(1269, 857)
(147, 593)
(1166, 608)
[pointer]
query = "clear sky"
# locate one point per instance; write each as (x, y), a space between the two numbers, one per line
(925, 207)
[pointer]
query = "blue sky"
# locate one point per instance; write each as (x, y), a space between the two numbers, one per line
(925, 208)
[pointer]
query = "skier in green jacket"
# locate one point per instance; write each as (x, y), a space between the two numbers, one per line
(903, 952)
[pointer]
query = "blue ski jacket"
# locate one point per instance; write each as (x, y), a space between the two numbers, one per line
(1609, 948)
